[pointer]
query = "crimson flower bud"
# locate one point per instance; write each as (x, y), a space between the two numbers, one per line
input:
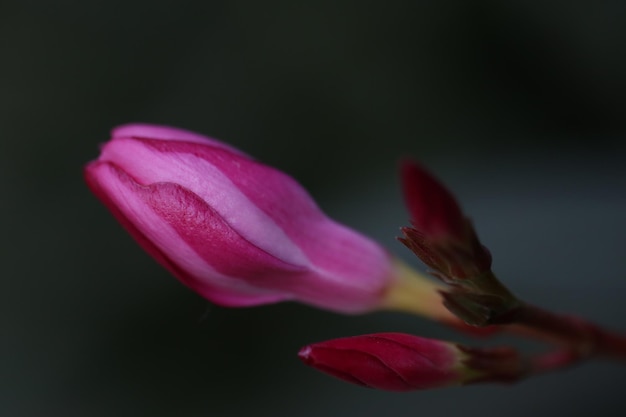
(441, 236)
(445, 240)
(402, 362)
(238, 232)
(386, 361)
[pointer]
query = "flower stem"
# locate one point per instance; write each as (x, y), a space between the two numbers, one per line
(553, 361)
(578, 335)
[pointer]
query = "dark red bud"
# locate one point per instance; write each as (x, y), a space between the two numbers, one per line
(434, 210)
(441, 236)
(386, 361)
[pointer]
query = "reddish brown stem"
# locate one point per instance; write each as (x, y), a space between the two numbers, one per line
(581, 337)
(554, 360)
(578, 340)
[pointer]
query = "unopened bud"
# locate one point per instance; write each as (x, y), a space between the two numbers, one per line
(387, 361)
(445, 240)
(236, 231)
(441, 236)
(402, 362)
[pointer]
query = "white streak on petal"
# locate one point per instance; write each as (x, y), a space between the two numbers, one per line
(166, 238)
(148, 165)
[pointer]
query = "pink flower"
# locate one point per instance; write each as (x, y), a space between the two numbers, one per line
(236, 231)
(403, 362)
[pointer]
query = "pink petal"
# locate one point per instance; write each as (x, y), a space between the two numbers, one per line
(129, 200)
(167, 133)
(152, 161)
(332, 248)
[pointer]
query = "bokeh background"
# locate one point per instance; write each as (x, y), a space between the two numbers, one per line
(518, 105)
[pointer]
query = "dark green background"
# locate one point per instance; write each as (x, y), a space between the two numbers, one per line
(517, 105)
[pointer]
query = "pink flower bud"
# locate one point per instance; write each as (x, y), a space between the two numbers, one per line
(238, 232)
(402, 362)
(387, 361)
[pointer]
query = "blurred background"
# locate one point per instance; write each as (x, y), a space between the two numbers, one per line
(518, 106)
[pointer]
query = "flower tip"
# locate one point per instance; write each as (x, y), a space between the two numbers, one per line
(305, 355)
